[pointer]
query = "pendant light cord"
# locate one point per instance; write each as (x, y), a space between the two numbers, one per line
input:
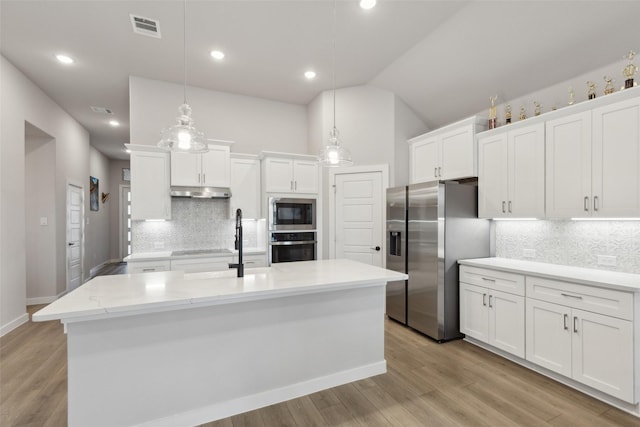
(184, 49)
(333, 63)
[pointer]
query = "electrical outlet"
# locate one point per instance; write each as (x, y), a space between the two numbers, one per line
(607, 260)
(158, 245)
(529, 253)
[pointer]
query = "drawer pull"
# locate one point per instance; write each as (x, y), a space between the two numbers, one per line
(566, 318)
(488, 279)
(148, 269)
(571, 296)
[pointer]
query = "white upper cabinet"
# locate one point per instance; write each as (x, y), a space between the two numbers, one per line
(568, 166)
(291, 175)
(245, 185)
(593, 163)
(210, 169)
(446, 153)
(511, 173)
(616, 160)
(150, 197)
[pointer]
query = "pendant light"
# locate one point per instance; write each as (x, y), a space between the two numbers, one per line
(184, 137)
(333, 154)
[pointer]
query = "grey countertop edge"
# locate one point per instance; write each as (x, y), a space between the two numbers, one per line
(628, 282)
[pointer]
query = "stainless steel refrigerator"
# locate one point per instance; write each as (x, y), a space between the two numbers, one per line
(431, 226)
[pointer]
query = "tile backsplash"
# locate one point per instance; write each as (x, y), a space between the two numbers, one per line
(195, 224)
(576, 243)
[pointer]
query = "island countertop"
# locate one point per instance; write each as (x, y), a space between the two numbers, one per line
(130, 294)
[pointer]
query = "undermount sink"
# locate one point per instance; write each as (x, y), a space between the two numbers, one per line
(186, 252)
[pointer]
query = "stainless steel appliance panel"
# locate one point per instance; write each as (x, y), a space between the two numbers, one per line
(292, 246)
(423, 258)
(397, 252)
(286, 213)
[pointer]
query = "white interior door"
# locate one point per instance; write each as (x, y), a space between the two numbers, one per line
(75, 218)
(358, 217)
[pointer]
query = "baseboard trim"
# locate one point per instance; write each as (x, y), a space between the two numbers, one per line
(259, 400)
(41, 300)
(18, 321)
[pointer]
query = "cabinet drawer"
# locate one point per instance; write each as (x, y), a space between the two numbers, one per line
(148, 266)
(199, 265)
(498, 280)
(609, 302)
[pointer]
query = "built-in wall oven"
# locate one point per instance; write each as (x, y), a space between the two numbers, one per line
(286, 213)
(292, 246)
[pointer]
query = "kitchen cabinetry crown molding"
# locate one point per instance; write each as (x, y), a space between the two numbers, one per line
(245, 156)
(264, 154)
(142, 147)
(480, 122)
(568, 110)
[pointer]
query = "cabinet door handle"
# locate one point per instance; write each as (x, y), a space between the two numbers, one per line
(566, 319)
(586, 203)
(295, 185)
(291, 185)
(490, 306)
(575, 324)
(204, 178)
(504, 210)
(435, 172)
(484, 300)
(440, 171)
(595, 203)
(509, 206)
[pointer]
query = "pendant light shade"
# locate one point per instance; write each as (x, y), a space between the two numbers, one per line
(334, 154)
(183, 136)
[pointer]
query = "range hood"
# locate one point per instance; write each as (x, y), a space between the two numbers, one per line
(201, 192)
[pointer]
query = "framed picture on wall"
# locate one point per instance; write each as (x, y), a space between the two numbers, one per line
(126, 174)
(93, 194)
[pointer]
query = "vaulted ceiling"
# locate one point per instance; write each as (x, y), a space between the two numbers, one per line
(443, 58)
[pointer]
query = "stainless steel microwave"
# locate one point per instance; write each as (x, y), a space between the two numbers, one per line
(292, 214)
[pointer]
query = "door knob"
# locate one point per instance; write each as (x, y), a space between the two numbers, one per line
(377, 248)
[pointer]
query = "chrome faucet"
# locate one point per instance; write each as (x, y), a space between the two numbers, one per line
(238, 244)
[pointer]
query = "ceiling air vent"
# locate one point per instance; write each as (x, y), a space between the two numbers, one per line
(145, 26)
(101, 110)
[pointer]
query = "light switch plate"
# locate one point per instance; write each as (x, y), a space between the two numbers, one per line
(607, 260)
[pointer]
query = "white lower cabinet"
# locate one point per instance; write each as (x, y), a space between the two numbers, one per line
(492, 316)
(590, 348)
(584, 333)
(198, 265)
(134, 267)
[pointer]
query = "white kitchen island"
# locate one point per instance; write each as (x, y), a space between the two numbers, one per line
(169, 348)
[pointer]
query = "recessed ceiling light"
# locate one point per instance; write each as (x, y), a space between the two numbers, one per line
(114, 123)
(310, 74)
(367, 4)
(64, 59)
(216, 54)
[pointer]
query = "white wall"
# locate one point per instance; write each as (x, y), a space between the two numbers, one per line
(40, 204)
(115, 181)
(407, 124)
(98, 229)
(254, 124)
(22, 101)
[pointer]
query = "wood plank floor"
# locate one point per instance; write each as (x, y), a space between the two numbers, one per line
(427, 384)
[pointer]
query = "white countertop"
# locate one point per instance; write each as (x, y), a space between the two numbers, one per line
(587, 276)
(130, 294)
(167, 255)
